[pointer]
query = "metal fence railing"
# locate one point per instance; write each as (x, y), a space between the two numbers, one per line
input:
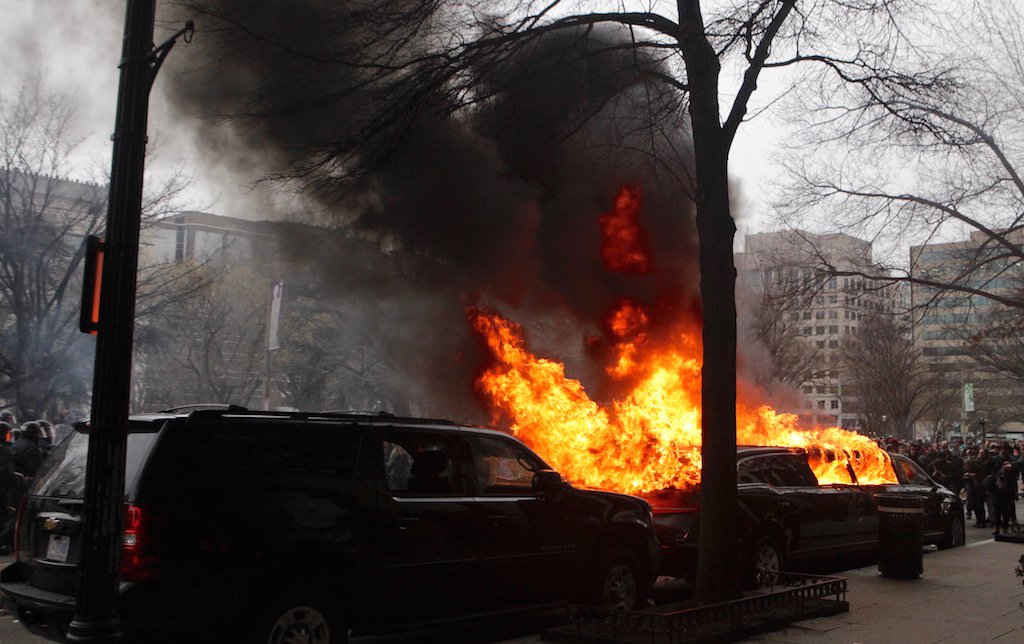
(789, 597)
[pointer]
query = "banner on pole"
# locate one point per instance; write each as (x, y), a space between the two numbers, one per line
(276, 291)
(968, 396)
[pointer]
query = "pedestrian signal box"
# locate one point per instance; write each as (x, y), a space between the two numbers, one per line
(92, 283)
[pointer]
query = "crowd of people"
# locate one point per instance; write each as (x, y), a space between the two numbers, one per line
(987, 474)
(22, 450)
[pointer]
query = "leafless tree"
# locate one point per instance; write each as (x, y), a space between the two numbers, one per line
(45, 362)
(925, 159)
(396, 67)
(891, 379)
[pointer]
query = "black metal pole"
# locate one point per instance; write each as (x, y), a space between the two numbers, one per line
(96, 618)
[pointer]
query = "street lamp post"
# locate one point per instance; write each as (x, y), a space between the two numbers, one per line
(96, 618)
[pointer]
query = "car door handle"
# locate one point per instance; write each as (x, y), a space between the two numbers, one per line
(405, 522)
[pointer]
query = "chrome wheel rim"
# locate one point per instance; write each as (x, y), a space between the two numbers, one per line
(766, 564)
(300, 625)
(620, 588)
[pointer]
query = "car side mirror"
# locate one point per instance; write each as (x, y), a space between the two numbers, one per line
(548, 482)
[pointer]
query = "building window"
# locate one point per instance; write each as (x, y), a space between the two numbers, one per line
(179, 242)
(821, 404)
(833, 315)
(833, 328)
(833, 344)
(821, 389)
(835, 404)
(819, 315)
(807, 315)
(818, 330)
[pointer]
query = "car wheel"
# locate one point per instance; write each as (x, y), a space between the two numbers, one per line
(765, 562)
(956, 534)
(305, 617)
(615, 581)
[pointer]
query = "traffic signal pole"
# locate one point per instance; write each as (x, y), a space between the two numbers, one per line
(96, 618)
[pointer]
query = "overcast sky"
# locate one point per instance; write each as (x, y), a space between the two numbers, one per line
(75, 45)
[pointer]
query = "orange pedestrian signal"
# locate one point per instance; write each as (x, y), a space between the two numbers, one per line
(92, 282)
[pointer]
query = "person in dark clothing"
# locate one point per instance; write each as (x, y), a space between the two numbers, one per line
(26, 457)
(1006, 479)
(974, 477)
(956, 473)
(942, 470)
(12, 484)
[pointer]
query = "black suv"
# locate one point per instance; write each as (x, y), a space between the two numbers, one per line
(285, 525)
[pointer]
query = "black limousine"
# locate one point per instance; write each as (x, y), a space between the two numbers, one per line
(788, 519)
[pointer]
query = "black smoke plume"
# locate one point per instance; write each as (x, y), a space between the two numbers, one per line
(484, 185)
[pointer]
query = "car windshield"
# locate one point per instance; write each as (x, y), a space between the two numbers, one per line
(912, 472)
(63, 471)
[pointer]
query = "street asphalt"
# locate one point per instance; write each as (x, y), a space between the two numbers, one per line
(968, 594)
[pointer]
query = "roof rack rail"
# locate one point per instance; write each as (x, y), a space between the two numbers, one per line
(218, 409)
(203, 407)
(339, 413)
(350, 412)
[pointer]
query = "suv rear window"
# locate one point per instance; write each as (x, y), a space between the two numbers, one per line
(63, 471)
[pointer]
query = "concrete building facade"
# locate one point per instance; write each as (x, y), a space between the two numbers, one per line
(953, 330)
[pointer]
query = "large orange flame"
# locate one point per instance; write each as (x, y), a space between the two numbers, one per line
(624, 243)
(649, 439)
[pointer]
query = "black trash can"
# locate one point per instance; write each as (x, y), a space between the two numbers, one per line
(900, 535)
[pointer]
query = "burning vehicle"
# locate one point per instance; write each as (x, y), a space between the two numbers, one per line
(804, 492)
(788, 519)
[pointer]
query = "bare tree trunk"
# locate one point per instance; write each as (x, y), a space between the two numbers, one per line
(718, 564)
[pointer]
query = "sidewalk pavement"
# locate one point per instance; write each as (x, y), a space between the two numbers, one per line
(968, 594)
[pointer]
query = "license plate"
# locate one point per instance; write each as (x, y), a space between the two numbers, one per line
(57, 549)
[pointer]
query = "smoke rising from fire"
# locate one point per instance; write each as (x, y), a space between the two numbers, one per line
(500, 203)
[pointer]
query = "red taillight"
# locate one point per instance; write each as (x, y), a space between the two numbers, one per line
(139, 543)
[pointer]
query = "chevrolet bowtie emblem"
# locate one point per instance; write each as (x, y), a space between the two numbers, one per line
(51, 523)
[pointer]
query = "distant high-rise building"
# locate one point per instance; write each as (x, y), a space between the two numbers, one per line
(815, 311)
(955, 329)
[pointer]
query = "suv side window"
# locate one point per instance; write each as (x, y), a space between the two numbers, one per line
(749, 471)
(271, 457)
(792, 470)
(502, 466)
(419, 462)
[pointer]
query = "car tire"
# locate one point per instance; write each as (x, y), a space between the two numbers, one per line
(615, 581)
(956, 533)
(307, 615)
(766, 559)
